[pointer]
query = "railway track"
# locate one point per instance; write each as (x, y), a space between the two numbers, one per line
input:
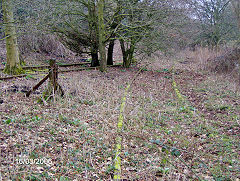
(34, 70)
(47, 66)
(62, 68)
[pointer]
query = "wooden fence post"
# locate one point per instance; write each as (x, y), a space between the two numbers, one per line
(53, 86)
(53, 74)
(53, 77)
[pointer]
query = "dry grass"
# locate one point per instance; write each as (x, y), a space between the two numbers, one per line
(42, 43)
(196, 60)
(205, 61)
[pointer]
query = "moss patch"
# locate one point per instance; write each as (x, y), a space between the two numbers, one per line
(16, 70)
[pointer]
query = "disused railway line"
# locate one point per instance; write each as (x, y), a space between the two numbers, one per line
(83, 66)
(47, 66)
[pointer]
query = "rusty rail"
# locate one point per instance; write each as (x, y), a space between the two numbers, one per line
(60, 71)
(47, 66)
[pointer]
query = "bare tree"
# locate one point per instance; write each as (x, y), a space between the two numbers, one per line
(215, 19)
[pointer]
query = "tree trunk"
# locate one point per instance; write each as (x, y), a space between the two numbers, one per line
(124, 53)
(94, 55)
(13, 61)
(131, 52)
(110, 52)
(93, 28)
(102, 51)
(127, 53)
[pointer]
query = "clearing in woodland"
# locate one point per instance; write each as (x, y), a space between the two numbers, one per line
(177, 125)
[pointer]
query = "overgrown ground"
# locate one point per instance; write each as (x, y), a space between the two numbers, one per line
(164, 137)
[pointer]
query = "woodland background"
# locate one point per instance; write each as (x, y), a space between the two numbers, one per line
(168, 109)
